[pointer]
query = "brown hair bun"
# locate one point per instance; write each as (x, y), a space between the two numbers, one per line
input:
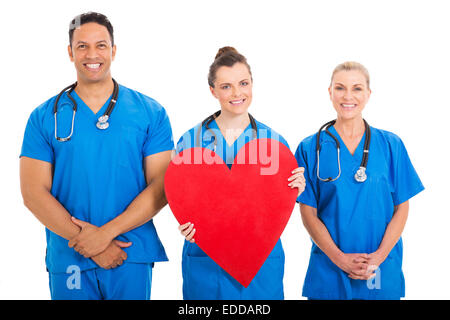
(225, 50)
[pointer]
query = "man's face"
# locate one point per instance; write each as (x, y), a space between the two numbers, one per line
(92, 52)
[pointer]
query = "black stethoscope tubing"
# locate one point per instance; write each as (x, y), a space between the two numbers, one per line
(102, 120)
(212, 117)
(360, 175)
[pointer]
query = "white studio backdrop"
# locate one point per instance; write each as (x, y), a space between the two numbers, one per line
(164, 49)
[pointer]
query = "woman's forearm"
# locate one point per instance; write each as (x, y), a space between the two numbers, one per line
(394, 230)
(319, 233)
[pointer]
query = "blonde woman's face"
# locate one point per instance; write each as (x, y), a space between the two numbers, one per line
(233, 88)
(349, 93)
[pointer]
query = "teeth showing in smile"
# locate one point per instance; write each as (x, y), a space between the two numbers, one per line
(348, 105)
(93, 66)
(237, 101)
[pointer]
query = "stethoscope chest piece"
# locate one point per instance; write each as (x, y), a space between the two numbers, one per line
(103, 123)
(361, 175)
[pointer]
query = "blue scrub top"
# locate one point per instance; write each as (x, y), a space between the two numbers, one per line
(98, 173)
(202, 277)
(356, 214)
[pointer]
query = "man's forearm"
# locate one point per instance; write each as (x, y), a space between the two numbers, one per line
(50, 213)
(141, 210)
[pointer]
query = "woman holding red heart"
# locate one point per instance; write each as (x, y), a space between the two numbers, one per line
(356, 203)
(226, 132)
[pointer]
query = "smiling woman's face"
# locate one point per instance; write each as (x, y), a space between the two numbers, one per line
(349, 93)
(233, 88)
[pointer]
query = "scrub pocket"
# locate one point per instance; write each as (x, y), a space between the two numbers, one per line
(200, 278)
(323, 278)
(131, 141)
(391, 283)
(268, 282)
(379, 202)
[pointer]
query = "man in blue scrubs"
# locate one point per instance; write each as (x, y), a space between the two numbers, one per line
(97, 192)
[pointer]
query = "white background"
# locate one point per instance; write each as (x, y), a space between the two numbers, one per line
(164, 49)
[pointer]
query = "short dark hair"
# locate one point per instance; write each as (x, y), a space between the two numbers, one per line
(90, 17)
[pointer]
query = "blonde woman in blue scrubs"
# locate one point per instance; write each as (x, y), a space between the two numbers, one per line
(355, 226)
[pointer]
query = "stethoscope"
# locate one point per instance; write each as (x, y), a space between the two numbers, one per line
(212, 117)
(102, 122)
(360, 174)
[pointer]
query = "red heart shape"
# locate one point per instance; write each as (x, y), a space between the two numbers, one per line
(239, 214)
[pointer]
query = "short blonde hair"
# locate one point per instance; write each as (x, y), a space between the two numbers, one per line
(352, 65)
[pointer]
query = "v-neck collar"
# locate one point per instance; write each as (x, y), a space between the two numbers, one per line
(223, 149)
(83, 106)
(357, 155)
(224, 141)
